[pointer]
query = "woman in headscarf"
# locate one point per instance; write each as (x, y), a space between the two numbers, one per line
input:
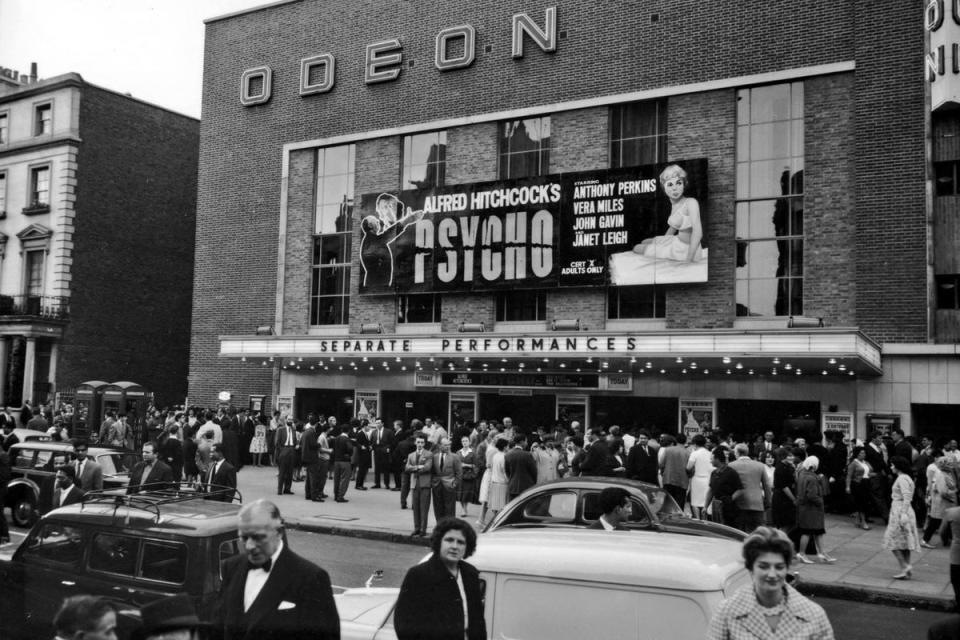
(810, 515)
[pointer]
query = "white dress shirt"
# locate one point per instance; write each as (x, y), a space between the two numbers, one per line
(256, 579)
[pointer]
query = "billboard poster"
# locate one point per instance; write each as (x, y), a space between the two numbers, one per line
(632, 226)
(697, 415)
(366, 404)
(842, 422)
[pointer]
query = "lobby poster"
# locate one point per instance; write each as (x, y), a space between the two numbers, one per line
(842, 422)
(366, 404)
(697, 415)
(285, 406)
(621, 227)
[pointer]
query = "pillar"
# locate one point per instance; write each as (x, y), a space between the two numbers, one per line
(29, 369)
(4, 356)
(52, 377)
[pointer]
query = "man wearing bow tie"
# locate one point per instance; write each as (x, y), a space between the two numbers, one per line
(268, 592)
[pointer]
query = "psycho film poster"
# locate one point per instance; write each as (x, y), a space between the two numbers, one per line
(634, 226)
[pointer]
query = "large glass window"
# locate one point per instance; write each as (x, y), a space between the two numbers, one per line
(418, 308)
(948, 291)
(330, 279)
(424, 160)
(635, 302)
(40, 186)
(769, 207)
(524, 148)
(638, 133)
(521, 306)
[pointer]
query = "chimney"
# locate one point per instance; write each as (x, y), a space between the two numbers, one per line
(33, 72)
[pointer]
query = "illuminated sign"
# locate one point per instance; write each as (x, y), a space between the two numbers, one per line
(633, 226)
(942, 22)
(383, 60)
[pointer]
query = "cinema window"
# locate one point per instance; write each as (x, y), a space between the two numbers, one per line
(769, 223)
(638, 133)
(635, 302)
(330, 273)
(948, 291)
(524, 148)
(419, 308)
(424, 160)
(521, 306)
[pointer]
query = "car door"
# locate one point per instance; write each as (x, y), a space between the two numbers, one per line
(46, 566)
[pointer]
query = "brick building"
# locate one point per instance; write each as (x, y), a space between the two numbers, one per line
(97, 215)
(369, 163)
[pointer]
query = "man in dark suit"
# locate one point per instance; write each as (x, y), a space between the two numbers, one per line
(150, 474)
(171, 451)
(520, 466)
(383, 440)
(67, 491)
(88, 472)
(342, 455)
(597, 460)
(310, 459)
(9, 438)
(220, 474)
(269, 592)
(246, 429)
(642, 462)
(231, 445)
(614, 503)
(447, 476)
(286, 452)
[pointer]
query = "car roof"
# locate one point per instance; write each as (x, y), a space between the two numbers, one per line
(637, 558)
(31, 435)
(195, 518)
(599, 482)
(50, 445)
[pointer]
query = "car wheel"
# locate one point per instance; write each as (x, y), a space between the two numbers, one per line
(24, 512)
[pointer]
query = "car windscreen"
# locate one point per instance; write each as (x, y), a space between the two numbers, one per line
(117, 462)
(660, 502)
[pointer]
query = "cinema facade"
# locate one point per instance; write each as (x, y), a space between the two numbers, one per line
(707, 215)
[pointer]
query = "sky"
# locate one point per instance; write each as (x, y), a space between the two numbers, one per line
(151, 49)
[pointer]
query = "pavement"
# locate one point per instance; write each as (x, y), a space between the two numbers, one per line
(863, 570)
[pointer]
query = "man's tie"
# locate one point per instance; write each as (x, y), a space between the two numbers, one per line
(441, 462)
(265, 566)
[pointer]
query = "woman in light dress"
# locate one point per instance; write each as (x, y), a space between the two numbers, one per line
(483, 496)
(681, 241)
(258, 445)
(700, 466)
(498, 479)
(901, 536)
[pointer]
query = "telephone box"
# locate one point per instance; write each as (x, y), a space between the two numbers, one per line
(131, 399)
(88, 411)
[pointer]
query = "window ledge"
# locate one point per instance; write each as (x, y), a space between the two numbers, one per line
(417, 328)
(641, 324)
(771, 322)
(36, 209)
(329, 330)
(520, 327)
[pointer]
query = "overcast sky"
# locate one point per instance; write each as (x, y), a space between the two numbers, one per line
(152, 49)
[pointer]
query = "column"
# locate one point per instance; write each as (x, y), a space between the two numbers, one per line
(52, 377)
(4, 356)
(29, 369)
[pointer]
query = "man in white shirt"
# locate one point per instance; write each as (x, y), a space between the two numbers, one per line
(269, 592)
(66, 491)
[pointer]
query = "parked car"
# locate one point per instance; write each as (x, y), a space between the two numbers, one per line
(30, 435)
(573, 502)
(561, 584)
(131, 549)
(34, 468)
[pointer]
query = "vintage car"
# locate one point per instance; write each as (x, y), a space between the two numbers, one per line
(33, 470)
(573, 502)
(30, 435)
(629, 584)
(131, 549)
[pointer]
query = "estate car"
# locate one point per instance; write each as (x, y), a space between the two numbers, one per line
(34, 469)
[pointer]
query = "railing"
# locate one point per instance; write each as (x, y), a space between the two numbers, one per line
(46, 307)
